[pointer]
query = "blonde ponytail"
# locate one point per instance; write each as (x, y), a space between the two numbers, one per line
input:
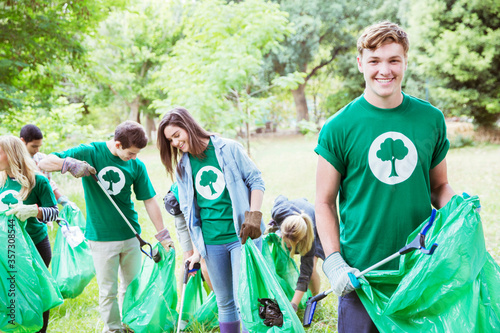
(298, 231)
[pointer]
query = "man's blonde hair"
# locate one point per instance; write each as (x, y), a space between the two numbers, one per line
(298, 230)
(21, 165)
(382, 33)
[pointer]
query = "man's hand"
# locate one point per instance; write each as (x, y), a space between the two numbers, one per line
(77, 168)
(165, 240)
(340, 274)
(251, 226)
(23, 212)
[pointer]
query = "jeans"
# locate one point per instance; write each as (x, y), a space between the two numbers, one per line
(110, 260)
(353, 317)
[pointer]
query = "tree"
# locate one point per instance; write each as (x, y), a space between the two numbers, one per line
(35, 34)
(9, 199)
(392, 150)
(459, 49)
(214, 70)
(207, 179)
(128, 51)
(112, 177)
(324, 30)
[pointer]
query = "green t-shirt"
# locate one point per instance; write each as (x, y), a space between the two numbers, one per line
(212, 196)
(384, 157)
(41, 195)
(104, 223)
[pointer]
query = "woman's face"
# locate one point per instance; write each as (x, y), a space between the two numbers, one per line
(4, 162)
(178, 137)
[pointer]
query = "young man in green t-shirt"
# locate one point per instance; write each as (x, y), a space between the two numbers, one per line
(114, 246)
(383, 157)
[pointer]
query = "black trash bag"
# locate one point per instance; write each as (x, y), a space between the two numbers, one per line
(270, 312)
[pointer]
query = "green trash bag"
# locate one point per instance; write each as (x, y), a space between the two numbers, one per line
(454, 290)
(200, 308)
(151, 298)
(280, 263)
(258, 281)
(72, 264)
(27, 288)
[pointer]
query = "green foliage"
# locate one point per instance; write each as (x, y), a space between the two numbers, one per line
(60, 124)
(33, 35)
(307, 127)
(214, 69)
(459, 46)
(460, 141)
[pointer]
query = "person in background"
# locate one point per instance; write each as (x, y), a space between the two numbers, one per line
(26, 193)
(383, 157)
(32, 137)
(115, 249)
(220, 195)
(296, 223)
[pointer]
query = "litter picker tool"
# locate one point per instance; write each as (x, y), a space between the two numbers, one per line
(155, 255)
(417, 244)
(186, 278)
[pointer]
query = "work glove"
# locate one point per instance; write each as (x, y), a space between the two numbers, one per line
(340, 274)
(165, 240)
(23, 212)
(251, 226)
(77, 168)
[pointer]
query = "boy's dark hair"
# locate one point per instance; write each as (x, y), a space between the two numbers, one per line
(30, 133)
(382, 33)
(131, 133)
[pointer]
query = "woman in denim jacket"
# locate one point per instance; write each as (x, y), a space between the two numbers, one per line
(220, 194)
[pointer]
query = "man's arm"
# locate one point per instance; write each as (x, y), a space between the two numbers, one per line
(441, 191)
(51, 163)
(327, 222)
(154, 213)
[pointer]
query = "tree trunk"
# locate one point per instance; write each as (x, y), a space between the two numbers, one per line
(150, 127)
(299, 96)
(134, 109)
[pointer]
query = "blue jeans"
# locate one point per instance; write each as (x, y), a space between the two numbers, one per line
(353, 317)
(223, 264)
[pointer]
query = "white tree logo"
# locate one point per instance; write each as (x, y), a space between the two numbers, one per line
(210, 182)
(112, 179)
(392, 158)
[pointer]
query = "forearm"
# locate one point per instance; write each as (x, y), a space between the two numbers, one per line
(256, 198)
(441, 195)
(154, 213)
(47, 214)
(327, 223)
(183, 233)
(297, 296)
(51, 163)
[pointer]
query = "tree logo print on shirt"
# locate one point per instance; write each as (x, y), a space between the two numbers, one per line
(209, 182)
(113, 179)
(392, 158)
(8, 198)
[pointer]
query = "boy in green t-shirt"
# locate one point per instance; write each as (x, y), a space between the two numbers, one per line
(114, 246)
(383, 156)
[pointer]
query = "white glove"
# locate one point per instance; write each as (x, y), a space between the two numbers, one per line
(340, 274)
(23, 212)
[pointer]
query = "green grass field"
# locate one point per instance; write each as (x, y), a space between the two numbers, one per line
(288, 165)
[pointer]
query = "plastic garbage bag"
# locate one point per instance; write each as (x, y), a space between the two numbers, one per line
(27, 288)
(279, 262)
(151, 298)
(258, 281)
(72, 264)
(270, 312)
(200, 308)
(455, 289)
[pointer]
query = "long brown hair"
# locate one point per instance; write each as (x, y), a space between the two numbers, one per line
(197, 136)
(21, 165)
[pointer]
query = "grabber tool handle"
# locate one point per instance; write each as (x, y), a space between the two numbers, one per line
(419, 242)
(196, 267)
(142, 242)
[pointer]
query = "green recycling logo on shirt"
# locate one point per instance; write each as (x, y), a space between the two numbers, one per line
(392, 158)
(209, 182)
(8, 198)
(113, 179)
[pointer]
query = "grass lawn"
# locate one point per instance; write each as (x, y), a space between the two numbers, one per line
(288, 165)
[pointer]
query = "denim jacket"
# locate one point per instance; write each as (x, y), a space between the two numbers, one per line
(241, 176)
